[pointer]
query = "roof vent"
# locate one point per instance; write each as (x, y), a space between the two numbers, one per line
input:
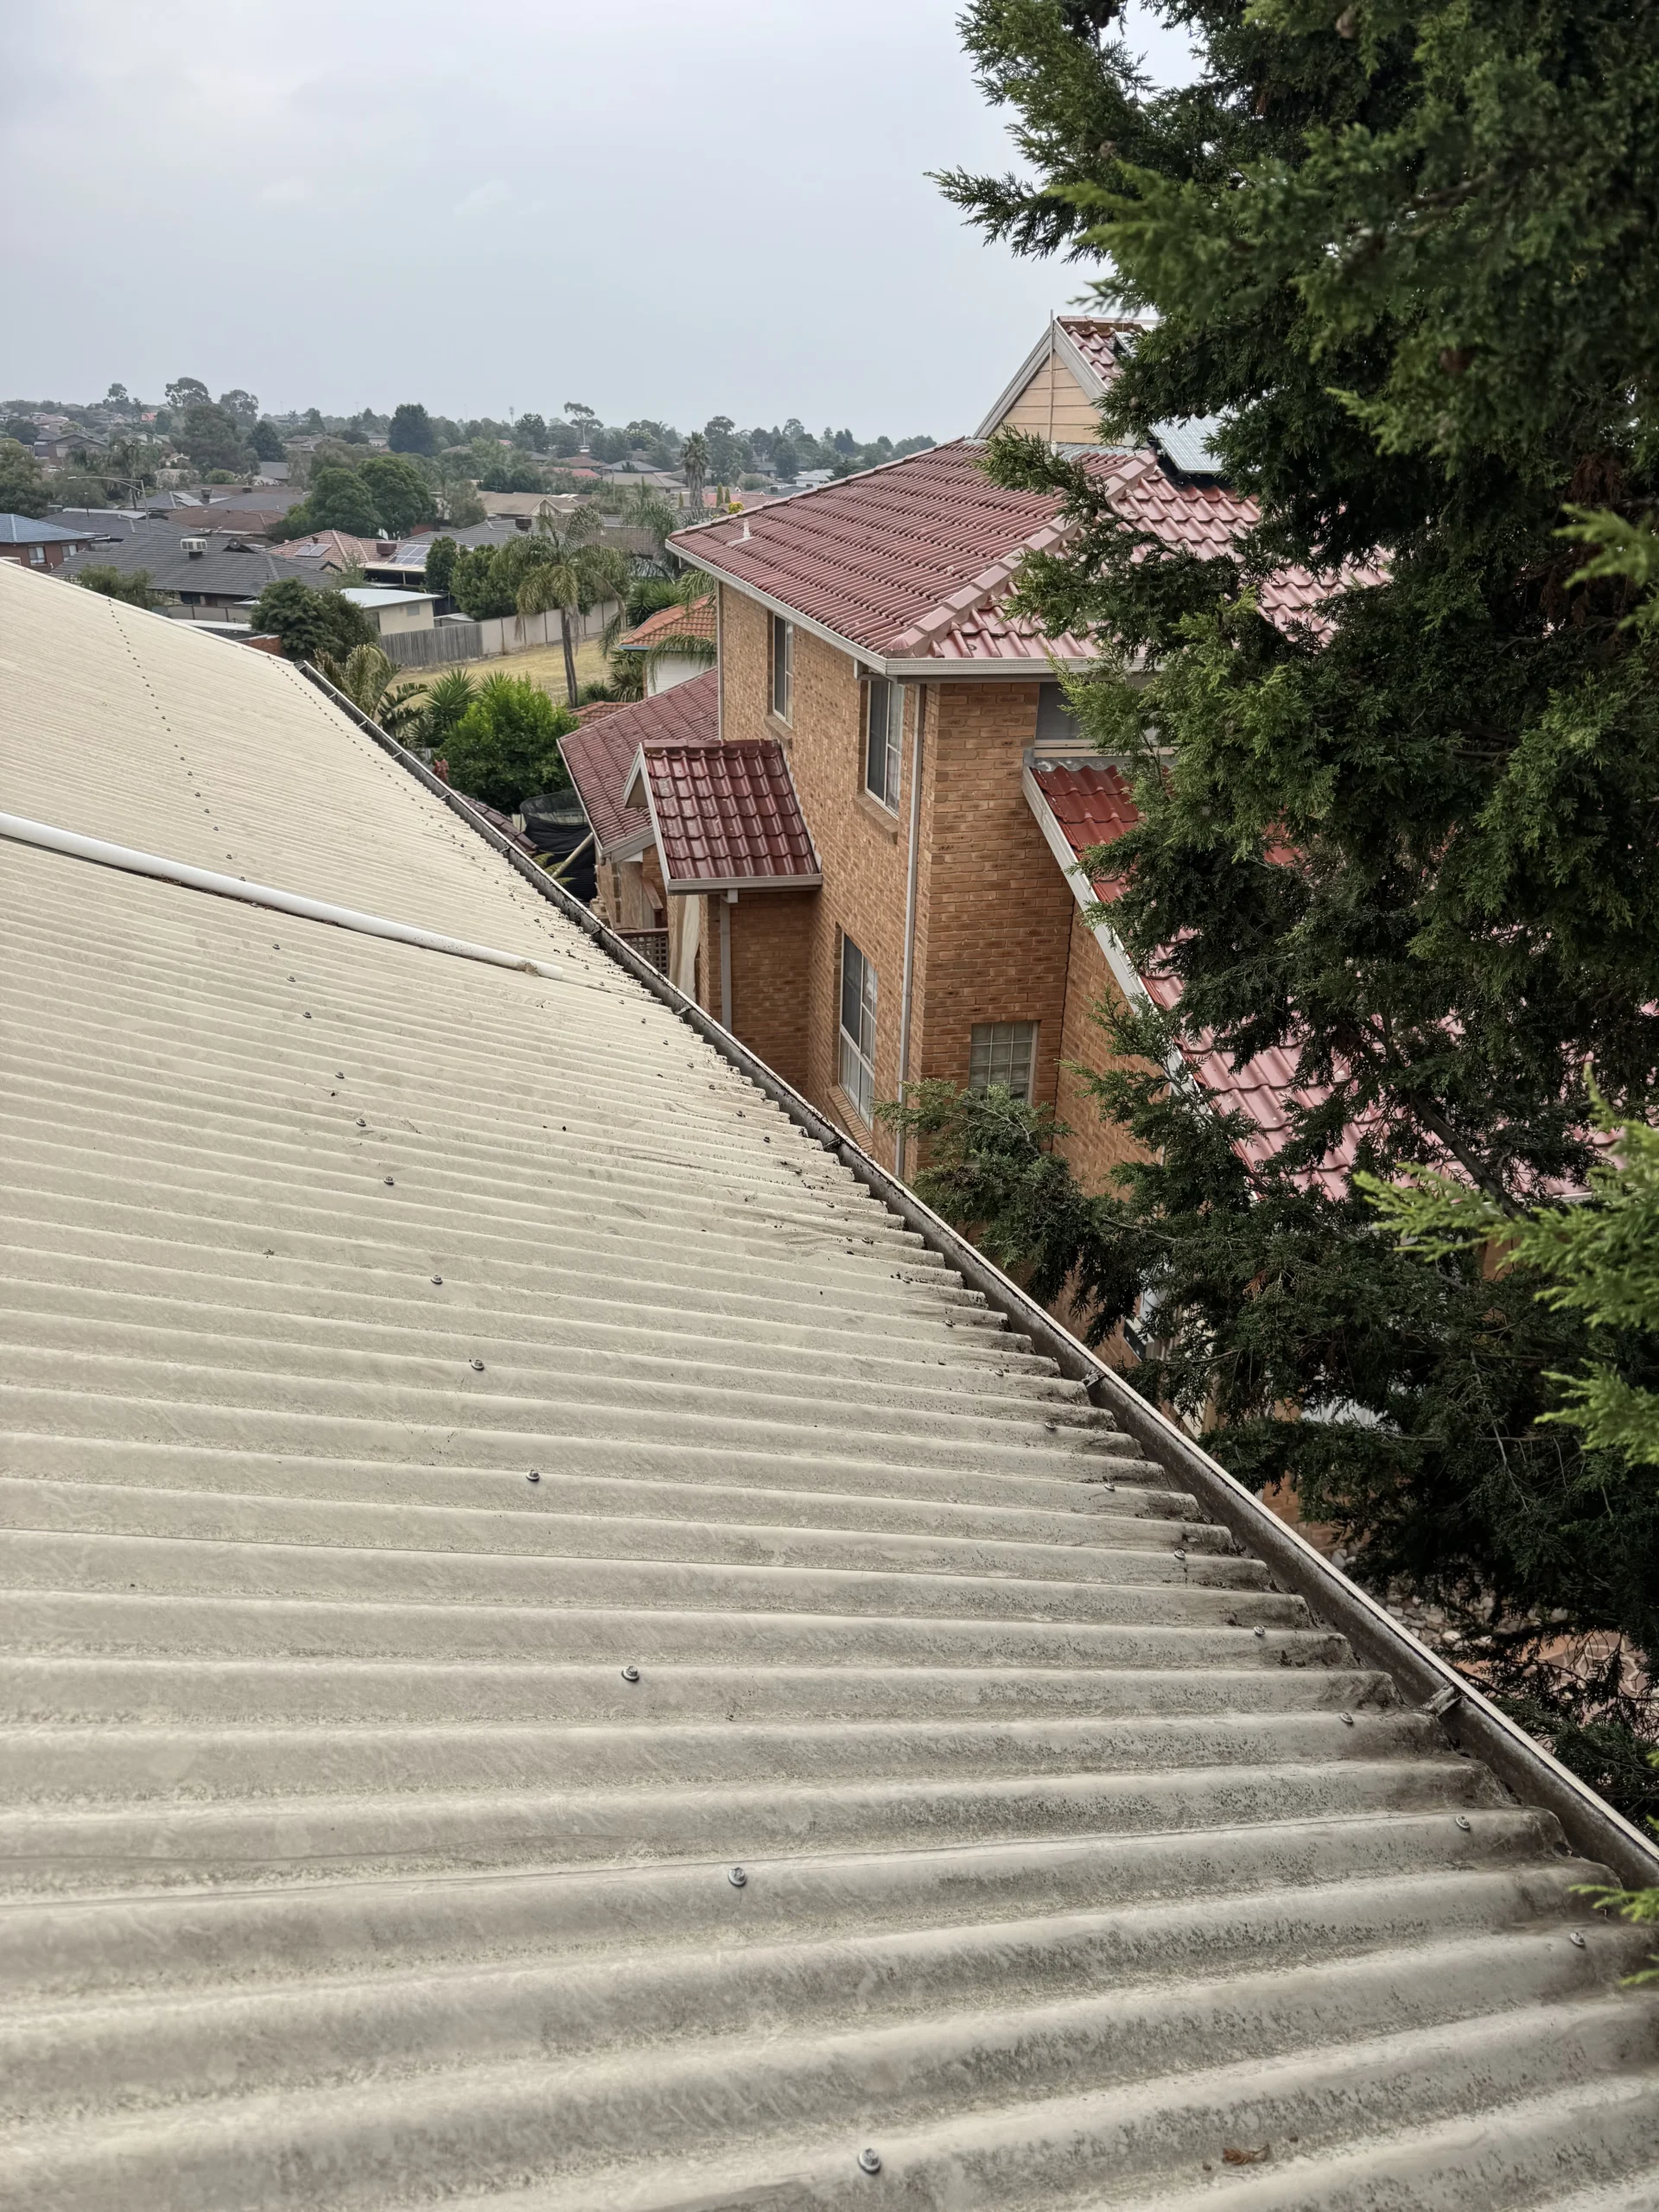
(195, 547)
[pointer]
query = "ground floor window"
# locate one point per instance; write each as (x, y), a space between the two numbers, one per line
(1002, 1052)
(857, 1028)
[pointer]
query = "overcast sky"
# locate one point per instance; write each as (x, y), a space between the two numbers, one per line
(655, 208)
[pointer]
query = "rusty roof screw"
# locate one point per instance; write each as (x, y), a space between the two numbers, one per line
(870, 2162)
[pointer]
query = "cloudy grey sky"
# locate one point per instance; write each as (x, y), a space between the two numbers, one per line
(654, 207)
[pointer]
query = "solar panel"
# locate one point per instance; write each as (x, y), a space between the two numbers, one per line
(1185, 445)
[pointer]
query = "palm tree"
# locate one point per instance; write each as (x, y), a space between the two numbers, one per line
(693, 460)
(364, 676)
(690, 589)
(574, 574)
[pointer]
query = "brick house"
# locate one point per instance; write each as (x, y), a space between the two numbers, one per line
(864, 641)
(39, 544)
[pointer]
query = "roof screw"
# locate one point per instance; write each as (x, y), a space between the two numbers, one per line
(1465, 1823)
(1575, 1937)
(477, 1366)
(631, 1674)
(387, 1180)
(1346, 1719)
(439, 1280)
(307, 1017)
(361, 1123)
(1179, 1554)
(737, 1877)
(534, 1475)
(1259, 1632)
(870, 2162)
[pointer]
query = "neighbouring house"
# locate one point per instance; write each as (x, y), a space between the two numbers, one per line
(863, 630)
(393, 613)
(206, 576)
(40, 544)
(665, 669)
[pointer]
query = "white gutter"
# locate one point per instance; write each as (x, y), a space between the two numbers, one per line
(912, 865)
(74, 846)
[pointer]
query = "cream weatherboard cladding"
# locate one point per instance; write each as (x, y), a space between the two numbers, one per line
(478, 1475)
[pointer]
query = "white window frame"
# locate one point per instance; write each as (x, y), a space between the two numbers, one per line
(884, 742)
(856, 998)
(782, 667)
(998, 1051)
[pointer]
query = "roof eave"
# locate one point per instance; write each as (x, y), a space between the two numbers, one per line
(689, 888)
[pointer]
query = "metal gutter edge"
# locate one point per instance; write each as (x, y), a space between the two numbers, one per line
(1474, 1724)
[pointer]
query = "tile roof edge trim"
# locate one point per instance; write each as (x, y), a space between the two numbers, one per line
(71, 843)
(1471, 1721)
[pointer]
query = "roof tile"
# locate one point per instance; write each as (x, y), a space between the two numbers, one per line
(728, 814)
(600, 755)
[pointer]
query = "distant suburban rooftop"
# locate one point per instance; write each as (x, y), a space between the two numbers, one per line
(24, 529)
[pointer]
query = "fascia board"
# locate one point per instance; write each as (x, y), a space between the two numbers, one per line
(691, 889)
(859, 653)
(637, 776)
(1124, 972)
(1022, 375)
(630, 848)
(1089, 380)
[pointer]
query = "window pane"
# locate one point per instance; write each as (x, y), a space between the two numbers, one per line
(1002, 1052)
(895, 742)
(781, 640)
(877, 692)
(857, 1053)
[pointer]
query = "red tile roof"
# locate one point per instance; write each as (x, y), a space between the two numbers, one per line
(1093, 337)
(696, 621)
(727, 816)
(911, 561)
(1092, 805)
(600, 755)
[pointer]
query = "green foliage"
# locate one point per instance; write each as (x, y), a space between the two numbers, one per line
(131, 585)
(385, 492)
(265, 442)
(505, 747)
(511, 472)
(311, 622)
(1407, 257)
(447, 703)
(1600, 1259)
(441, 556)
(212, 438)
(411, 430)
(23, 483)
(364, 676)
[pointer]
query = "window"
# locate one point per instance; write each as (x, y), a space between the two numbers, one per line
(884, 739)
(1056, 722)
(783, 659)
(37, 556)
(858, 1029)
(1002, 1052)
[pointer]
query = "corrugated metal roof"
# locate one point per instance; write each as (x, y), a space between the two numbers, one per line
(371, 1815)
(727, 816)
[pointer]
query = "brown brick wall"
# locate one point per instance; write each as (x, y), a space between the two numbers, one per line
(773, 935)
(998, 910)
(1095, 1147)
(993, 910)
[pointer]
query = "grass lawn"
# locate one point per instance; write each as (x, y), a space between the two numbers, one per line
(542, 664)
